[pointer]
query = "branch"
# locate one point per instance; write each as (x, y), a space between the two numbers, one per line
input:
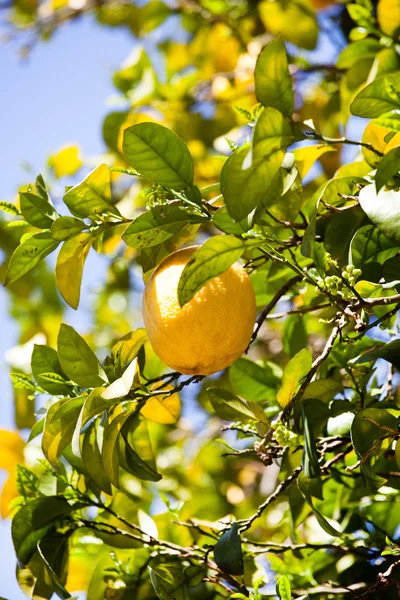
(317, 363)
(272, 303)
(245, 524)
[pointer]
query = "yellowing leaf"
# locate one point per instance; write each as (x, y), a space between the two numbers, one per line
(11, 449)
(307, 156)
(375, 136)
(8, 493)
(162, 409)
(69, 268)
(121, 387)
(296, 369)
(66, 162)
(388, 13)
(294, 20)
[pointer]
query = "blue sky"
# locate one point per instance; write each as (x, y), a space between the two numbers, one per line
(58, 96)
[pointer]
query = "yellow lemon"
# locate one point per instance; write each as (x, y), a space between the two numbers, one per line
(208, 333)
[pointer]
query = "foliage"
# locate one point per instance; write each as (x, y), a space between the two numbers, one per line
(281, 478)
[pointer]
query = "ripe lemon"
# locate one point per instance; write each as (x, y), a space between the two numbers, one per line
(208, 333)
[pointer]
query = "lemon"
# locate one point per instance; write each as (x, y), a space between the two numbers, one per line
(208, 333)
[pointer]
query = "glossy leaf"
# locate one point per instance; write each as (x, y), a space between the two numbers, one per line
(214, 257)
(33, 521)
(230, 407)
(248, 174)
(36, 210)
(389, 352)
(78, 360)
(164, 409)
(293, 374)
(254, 381)
(228, 552)
(383, 209)
(378, 98)
(64, 227)
(157, 225)
(92, 459)
(92, 196)
(159, 154)
(31, 251)
(69, 267)
(272, 79)
(388, 168)
(121, 386)
(370, 244)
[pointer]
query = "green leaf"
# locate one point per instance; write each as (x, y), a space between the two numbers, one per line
(53, 549)
(390, 120)
(37, 210)
(78, 360)
(58, 432)
(370, 244)
(228, 552)
(159, 154)
(157, 225)
(137, 451)
(312, 487)
(63, 227)
(389, 352)
(358, 50)
(294, 334)
(110, 455)
(378, 98)
(33, 521)
(28, 254)
(283, 588)
(169, 581)
(383, 209)
(126, 349)
(230, 407)
(92, 196)
(311, 466)
(248, 174)
(272, 78)
(254, 381)
(22, 381)
(69, 267)
(92, 459)
(9, 208)
(366, 430)
(294, 372)
(214, 257)
(388, 168)
(224, 222)
(45, 360)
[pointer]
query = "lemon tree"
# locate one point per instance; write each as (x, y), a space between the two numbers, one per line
(238, 437)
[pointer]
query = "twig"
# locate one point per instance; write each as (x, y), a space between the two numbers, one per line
(245, 524)
(272, 303)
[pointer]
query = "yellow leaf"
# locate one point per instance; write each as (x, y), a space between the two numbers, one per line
(388, 12)
(307, 156)
(162, 409)
(294, 20)
(8, 493)
(375, 136)
(80, 569)
(293, 374)
(11, 450)
(69, 267)
(66, 162)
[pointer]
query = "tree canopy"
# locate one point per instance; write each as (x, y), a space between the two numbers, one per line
(280, 476)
